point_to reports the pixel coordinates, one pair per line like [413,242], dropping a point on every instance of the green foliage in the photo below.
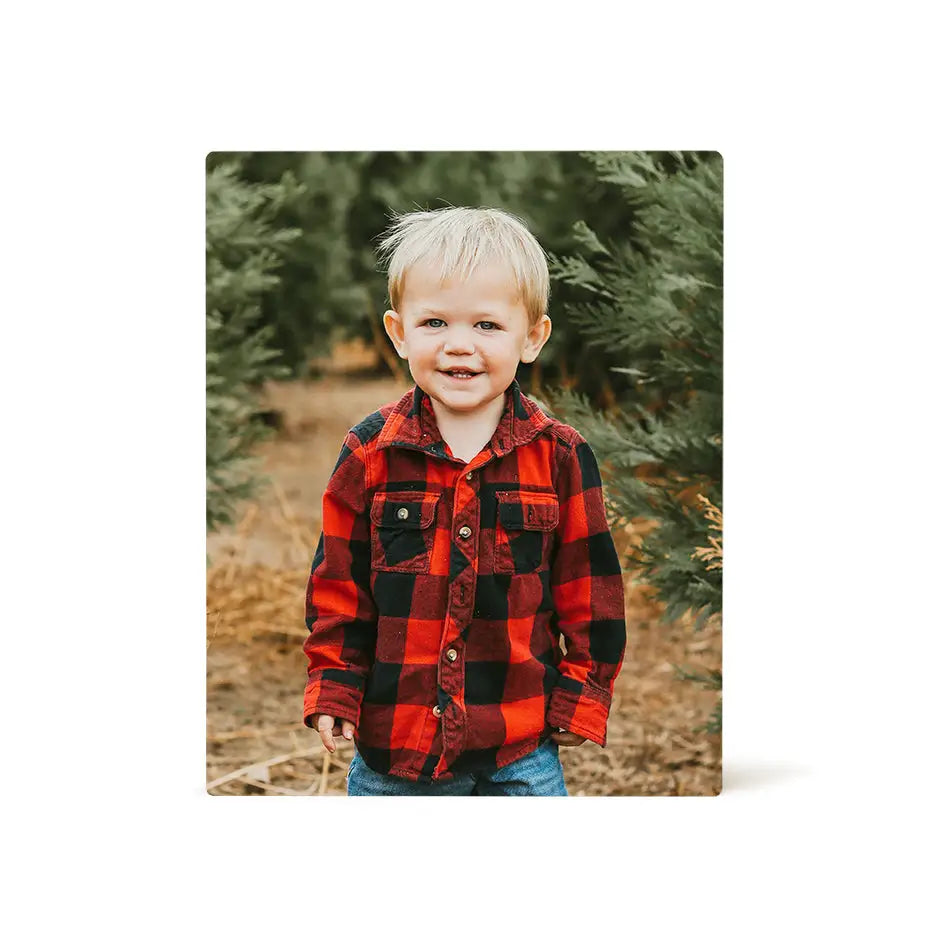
[713,680]
[320,295]
[651,310]
[243,251]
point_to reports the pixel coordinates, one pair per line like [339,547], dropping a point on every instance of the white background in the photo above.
[826,822]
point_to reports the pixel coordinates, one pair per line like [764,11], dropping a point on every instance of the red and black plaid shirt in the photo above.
[439,591]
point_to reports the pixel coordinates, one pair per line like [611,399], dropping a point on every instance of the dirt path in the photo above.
[256,668]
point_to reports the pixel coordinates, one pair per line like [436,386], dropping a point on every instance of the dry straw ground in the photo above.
[256,741]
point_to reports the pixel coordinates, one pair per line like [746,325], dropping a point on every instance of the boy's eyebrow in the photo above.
[482,312]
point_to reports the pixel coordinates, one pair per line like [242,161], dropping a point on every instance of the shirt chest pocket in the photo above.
[402,529]
[523,527]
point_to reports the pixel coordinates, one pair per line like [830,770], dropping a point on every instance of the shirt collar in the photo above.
[412,423]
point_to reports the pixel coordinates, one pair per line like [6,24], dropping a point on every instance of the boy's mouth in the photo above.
[461,374]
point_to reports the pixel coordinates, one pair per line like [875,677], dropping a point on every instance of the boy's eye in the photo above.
[486,325]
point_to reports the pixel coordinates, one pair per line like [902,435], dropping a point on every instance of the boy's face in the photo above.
[476,327]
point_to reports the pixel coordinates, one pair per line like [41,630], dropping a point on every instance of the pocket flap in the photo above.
[404,509]
[533,511]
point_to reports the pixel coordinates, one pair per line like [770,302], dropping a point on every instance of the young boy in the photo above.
[463,532]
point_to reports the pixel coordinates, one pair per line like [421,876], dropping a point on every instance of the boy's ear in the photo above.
[394,327]
[538,334]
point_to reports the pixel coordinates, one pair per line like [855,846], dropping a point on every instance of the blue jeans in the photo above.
[537,773]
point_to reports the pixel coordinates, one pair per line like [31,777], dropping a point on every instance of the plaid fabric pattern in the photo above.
[439,591]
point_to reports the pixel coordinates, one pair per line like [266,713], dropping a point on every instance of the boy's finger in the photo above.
[348,729]
[324,724]
[566,738]
[325,734]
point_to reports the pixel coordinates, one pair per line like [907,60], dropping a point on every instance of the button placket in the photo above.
[451,674]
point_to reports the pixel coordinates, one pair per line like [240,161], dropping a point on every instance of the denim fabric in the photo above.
[538,773]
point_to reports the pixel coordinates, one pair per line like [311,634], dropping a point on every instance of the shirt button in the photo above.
[452,654]
[437,712]
[468,476]
[465,531]
[402,513]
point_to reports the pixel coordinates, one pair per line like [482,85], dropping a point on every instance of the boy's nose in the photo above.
[458,340]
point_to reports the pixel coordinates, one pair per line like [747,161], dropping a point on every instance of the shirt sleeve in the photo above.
[340,611]
[586,582]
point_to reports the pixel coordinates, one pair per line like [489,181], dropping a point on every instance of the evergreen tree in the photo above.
[320,295]
[243,249]
[651,309]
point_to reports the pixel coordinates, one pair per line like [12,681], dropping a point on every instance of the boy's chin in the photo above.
[455,400]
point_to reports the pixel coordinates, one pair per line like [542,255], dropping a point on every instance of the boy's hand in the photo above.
[566,738]
[325,725]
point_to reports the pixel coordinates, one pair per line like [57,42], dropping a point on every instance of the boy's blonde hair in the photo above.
[458,239]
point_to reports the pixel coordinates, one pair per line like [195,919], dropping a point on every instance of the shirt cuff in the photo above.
[333,697]
[580,709]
